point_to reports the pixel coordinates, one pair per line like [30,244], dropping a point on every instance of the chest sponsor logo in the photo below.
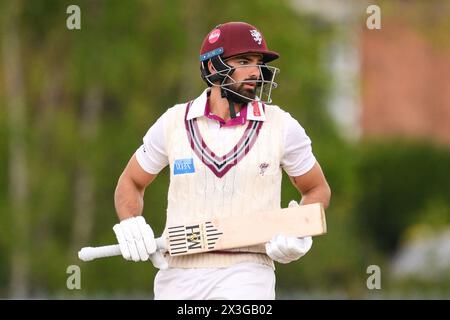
[182,166]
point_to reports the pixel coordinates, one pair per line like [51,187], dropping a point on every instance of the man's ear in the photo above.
[211,68]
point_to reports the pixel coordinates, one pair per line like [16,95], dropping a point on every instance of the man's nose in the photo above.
[254,71]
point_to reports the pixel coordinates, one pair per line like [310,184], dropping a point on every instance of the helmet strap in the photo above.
[224,94]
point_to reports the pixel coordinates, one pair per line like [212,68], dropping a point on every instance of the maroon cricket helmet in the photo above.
[235,38]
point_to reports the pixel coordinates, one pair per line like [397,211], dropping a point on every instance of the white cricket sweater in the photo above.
[222,178]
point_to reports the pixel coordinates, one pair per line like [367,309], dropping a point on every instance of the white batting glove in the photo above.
[137,241]
[285,249]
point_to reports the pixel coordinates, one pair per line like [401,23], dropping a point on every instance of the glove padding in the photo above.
[285,249]
[137,241]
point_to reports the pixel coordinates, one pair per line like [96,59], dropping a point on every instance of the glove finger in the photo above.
[142,251]
[139,240]
[308,242]
[158,260]
[298,247]
[294,248]
[275,254]
[270,251]
[285,249]
[284,245]
[130,237]
[284,261]
[302,244]
[122,242]
[147,235]
[293,204]
[273,250]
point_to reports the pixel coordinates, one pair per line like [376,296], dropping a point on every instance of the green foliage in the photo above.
[400,184]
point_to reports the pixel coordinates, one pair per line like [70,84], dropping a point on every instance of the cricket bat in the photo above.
[222,233]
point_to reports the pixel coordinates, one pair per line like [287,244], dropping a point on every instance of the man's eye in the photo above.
[241,62]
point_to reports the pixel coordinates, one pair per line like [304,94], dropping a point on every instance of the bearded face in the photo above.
[247,90]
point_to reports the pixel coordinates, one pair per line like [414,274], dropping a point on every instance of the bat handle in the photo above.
[91,253]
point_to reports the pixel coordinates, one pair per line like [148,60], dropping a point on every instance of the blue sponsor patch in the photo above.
[182,166]
[210,54]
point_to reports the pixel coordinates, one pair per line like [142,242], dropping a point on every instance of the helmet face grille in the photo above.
[264,84]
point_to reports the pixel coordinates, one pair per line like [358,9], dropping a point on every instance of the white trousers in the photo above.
[243,281]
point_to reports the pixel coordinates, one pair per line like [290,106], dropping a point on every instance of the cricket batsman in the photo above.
[225,150]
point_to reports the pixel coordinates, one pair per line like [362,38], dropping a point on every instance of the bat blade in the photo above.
[245,230]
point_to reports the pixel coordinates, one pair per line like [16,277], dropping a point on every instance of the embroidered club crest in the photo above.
[263,167]
[256,36]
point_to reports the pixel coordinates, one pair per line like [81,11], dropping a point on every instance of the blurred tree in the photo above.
[397,182]
[18,172]
[89,119]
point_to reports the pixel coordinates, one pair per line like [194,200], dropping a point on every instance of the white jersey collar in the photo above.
[255,110]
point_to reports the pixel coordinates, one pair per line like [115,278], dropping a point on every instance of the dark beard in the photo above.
[250,94]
